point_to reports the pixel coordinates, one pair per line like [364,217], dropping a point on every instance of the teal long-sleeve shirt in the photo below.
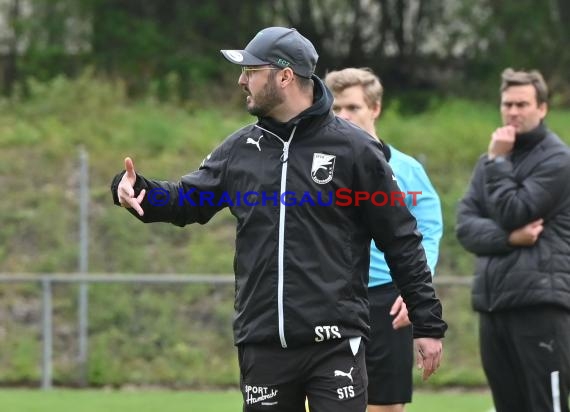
[412,177]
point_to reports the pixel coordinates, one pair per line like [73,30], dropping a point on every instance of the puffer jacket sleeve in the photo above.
[478,233]
[394,231]
[519,203]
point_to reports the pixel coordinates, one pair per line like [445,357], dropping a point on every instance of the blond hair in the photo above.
[340,80]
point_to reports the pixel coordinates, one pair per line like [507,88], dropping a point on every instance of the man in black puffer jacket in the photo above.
[293,180]
[515,217]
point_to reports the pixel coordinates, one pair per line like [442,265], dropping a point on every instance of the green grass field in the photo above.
[164,401]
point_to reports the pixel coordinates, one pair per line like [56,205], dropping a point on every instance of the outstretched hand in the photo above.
[126,191]
[428,355]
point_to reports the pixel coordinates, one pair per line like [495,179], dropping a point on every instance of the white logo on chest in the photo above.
[322,169]
[253,142]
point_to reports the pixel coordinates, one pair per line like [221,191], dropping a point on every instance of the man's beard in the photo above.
[266,100]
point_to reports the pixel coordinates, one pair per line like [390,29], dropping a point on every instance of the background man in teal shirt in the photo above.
[389,354]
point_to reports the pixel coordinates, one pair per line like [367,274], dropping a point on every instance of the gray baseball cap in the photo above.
[279,46]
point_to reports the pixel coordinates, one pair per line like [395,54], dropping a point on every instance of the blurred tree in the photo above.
[422,46]
[403,40]
[524,35]
[141,40]
[52,38]
[10,72]
[390,36]
[443,46]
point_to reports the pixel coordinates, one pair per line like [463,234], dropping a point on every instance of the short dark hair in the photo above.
[511,77]
[305,83]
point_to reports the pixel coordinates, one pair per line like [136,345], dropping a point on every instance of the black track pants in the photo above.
[526,357]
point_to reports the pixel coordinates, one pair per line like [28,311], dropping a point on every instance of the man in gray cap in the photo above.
[302,185]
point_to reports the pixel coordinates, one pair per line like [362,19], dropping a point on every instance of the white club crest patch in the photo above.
[322,169]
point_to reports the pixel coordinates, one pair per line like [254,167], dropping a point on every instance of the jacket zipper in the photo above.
[281,241]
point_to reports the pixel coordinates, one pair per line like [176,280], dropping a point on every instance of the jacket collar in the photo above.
[528,140]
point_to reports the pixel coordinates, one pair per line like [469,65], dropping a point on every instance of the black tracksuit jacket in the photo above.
[302,270]
[533,183]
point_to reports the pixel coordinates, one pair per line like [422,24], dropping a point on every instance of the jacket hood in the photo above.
[322,104]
